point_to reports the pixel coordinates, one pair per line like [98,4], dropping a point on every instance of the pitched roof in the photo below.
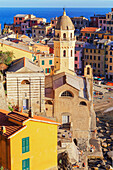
[20,15]
[89,29]
[24,62]
[12,128]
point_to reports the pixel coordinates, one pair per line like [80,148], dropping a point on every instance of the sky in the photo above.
[57,3]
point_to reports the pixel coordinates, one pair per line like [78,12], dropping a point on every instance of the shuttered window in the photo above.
[26,164]
[25,145]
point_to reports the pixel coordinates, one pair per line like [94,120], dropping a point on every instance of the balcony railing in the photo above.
[63,39]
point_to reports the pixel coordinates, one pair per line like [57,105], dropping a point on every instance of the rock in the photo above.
[110,154]
[107,124]
[100,135]
[111,136]
[105,150]
[101,130]
[107,131]
[104,144]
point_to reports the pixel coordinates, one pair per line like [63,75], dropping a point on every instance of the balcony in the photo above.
[63,39]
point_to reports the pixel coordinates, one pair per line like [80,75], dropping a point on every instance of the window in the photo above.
[98,57]
[86,50]
[87,57]
[106,52]
[25,104]
[42,62]
[47,70]
[94,51]
[98,51]
[110,60]
[25,82]
[98,65]
[67,93]
[76,58]
[83,103]
[110,52]
[88,71]
[26,164]
[25,145]
[71,35]
[110,67]
[91,51]
[20,18]
[39,32]
[64,35]
[50,62]
[42,32]
[76,65]
[94,57]
[65,119]
[64,53]
[71,53]
[90,57]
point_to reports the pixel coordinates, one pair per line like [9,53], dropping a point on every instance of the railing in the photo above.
[63,39]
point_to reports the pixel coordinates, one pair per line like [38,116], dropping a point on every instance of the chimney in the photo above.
[111,9]
[3,129]
[30,113]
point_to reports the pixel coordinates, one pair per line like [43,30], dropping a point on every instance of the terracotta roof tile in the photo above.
[18,116]
[11,128]
[89,29]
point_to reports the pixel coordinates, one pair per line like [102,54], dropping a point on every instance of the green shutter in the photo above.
[23,145]
[50,62]
[42,62]
[26,164]
[27,144]
[46,70]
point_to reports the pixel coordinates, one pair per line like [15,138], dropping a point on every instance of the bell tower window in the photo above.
[64,53]
[71,35]
[64,35]
[71,53]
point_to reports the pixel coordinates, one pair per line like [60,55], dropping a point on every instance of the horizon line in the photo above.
[51,7]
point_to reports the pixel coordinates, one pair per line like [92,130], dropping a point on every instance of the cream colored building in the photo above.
[64,45]
[25,86]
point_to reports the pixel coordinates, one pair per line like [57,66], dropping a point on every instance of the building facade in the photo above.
[25,86]
[22,142]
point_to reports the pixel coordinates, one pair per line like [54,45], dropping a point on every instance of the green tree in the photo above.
[6,57]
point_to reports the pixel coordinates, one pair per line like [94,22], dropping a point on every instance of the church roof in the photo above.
[64,23]
[24,62]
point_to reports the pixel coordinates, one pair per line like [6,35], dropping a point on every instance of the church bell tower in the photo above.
[64,45]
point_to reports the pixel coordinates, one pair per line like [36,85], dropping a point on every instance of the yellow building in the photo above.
[64,45]
[94,55]
[19,50]
[26,142]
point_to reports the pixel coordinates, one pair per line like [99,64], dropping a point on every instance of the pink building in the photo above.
[102,23]
[79,56]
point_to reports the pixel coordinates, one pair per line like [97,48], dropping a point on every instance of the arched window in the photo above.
[88,71]
[67,93]
[25,82]
[64,53]
[48,102]
[71,35]
[71,53]
[83,103]
[64,35]
[58,35]
[67,28]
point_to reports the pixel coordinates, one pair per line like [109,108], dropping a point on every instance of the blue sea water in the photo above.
[7,14]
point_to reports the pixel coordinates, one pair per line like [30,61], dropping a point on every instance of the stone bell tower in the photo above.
[64,45]
[88,73]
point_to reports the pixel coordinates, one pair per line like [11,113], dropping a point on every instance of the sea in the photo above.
[7,14]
